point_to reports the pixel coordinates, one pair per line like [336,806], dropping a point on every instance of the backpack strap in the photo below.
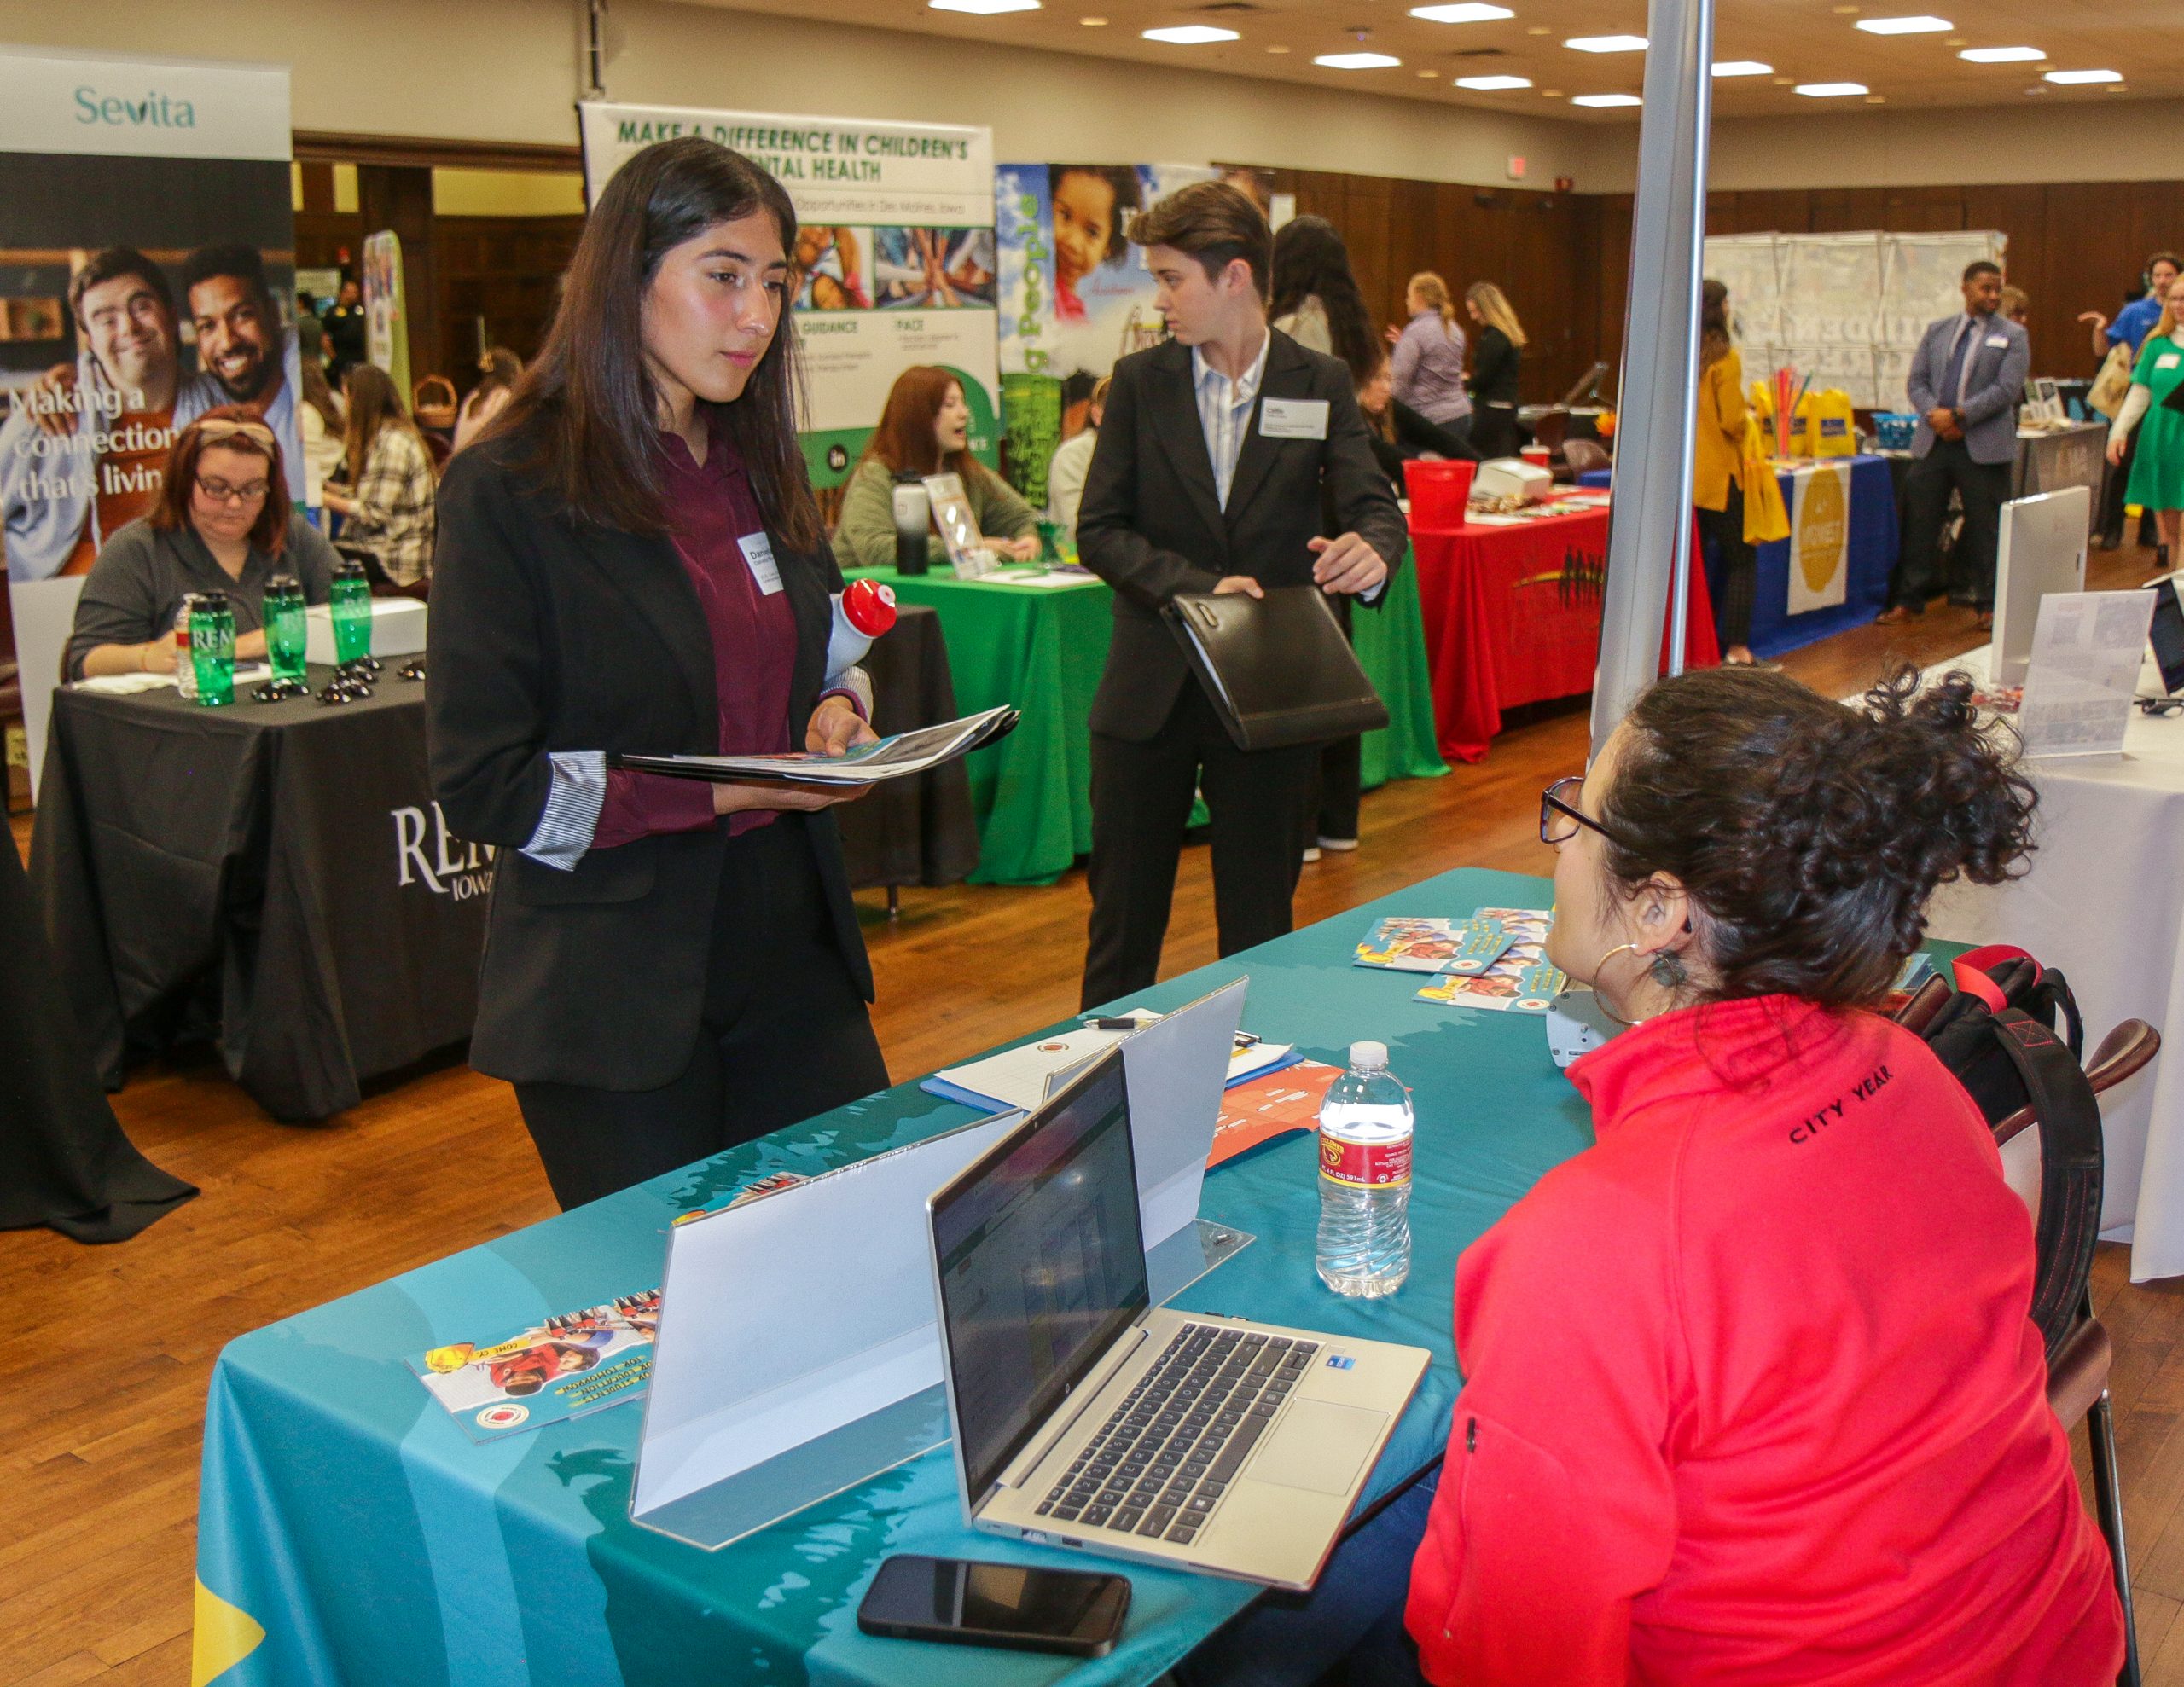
[1973,971]
[2070,1168]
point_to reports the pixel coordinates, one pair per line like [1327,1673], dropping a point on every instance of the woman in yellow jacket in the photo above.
[1717,474]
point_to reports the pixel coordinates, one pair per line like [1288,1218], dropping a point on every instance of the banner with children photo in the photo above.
[894,255]
[147,275]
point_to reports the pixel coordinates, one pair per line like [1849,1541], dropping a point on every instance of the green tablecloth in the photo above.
[345,1515]
[1041,648]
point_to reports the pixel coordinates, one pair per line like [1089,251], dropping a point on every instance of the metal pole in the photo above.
[1649,537]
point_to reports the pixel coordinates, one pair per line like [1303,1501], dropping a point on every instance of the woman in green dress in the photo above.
[2158,468]
[923,430]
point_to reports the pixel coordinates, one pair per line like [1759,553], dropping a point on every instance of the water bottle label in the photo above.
[1365,1165]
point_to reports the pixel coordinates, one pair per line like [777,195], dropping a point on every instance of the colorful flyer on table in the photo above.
[1405,945]
[1526,926]
[561,1368]
[1524,981]
[1274,1105]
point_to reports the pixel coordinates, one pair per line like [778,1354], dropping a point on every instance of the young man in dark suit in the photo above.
[1222,455]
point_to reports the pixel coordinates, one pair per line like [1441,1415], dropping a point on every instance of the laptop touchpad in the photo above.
[1319,1446]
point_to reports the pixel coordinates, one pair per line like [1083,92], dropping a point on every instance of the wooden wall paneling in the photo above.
[1842,209]
[400,197]
[2087,227]
[2156,224]
[1912,210]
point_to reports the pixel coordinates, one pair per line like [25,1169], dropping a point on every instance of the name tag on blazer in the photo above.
[2166,360]
[1998,342]
[1293,418]
[758,552]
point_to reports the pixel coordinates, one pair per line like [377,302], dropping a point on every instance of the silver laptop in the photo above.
[1085,1416]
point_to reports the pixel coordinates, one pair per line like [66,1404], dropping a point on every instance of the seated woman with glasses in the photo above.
[219,526]
[1750,1391]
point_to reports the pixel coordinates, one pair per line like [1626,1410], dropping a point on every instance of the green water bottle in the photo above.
[285,636]
[212,649]
[351,597]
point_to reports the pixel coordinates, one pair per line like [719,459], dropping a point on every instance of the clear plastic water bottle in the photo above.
[185,662]
[1365,1131]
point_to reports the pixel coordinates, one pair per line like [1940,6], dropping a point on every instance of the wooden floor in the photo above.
[102,1396]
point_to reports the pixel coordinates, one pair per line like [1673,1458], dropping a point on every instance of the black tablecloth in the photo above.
[918,831]
[63,1159]
[276,873]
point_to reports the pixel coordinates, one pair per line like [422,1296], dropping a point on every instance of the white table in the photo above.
[2104,902]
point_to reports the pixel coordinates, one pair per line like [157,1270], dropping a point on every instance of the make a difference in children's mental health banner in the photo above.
[894,257]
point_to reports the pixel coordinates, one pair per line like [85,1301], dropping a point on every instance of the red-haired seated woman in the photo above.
[924,429]
[222,524]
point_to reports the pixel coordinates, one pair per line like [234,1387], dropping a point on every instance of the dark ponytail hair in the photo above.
[1713,323]
[589,390]
[1310,261]
[1810,834]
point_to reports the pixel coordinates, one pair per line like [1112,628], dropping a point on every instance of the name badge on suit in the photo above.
[1293,418]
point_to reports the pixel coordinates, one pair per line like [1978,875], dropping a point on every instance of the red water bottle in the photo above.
[861,614]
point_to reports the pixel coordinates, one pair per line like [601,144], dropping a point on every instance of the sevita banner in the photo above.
[147,275]
[895,256]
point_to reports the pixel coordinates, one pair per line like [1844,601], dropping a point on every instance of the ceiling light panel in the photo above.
[1190,34]
[1829,91]
[1600,101]
[1493,84]
[1357,61]
[1920,24]
[2068,78]
[2002,56]
[1606,44]
[1742,67]
[1468,11]
[983,8]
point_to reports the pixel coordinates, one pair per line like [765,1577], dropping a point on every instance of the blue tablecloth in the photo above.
[346,1514]
[1873,551]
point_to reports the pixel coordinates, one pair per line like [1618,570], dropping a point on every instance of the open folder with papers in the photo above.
[885,758]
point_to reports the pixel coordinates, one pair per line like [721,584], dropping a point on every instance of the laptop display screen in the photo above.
[1042,1265]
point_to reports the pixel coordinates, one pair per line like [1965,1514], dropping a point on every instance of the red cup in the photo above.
[1439,491]
[1538,456]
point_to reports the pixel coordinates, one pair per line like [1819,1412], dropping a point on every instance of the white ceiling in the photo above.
[1803,41]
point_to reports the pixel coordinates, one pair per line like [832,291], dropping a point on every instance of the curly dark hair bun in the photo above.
[1811,834]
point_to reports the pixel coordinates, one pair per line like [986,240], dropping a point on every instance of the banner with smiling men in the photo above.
[147,275]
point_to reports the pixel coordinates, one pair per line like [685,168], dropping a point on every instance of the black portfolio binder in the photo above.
[1278,669]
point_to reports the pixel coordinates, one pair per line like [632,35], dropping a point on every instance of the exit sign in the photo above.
[1516,168]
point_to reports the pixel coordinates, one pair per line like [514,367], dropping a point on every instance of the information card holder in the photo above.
[798,1352]
[2082,674]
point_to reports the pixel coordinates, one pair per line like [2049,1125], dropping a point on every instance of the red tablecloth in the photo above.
[1513,616]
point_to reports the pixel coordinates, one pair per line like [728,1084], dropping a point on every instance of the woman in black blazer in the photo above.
[630,561]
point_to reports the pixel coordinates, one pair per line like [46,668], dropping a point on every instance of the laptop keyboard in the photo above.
[1160,1464]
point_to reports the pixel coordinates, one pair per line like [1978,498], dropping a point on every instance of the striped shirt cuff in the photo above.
[855,685]
[565,830]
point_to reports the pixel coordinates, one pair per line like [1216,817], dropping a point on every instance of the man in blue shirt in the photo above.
[2132,325]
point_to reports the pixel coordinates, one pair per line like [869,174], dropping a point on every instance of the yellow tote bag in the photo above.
[1766,518]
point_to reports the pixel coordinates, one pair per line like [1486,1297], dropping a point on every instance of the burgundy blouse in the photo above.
[712,510]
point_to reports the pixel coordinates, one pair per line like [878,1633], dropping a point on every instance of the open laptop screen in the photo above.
[2167,634]
[1041,1265]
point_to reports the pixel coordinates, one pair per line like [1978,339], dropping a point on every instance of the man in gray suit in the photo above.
[1965,380]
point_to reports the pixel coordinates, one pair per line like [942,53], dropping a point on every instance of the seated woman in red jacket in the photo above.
[1751,1390]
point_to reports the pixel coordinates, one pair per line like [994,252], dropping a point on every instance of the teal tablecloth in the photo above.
[346,1514]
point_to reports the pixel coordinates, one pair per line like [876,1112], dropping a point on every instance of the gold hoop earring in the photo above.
[1601,966]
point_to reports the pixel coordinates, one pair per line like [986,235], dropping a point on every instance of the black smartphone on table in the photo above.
[972,1603]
